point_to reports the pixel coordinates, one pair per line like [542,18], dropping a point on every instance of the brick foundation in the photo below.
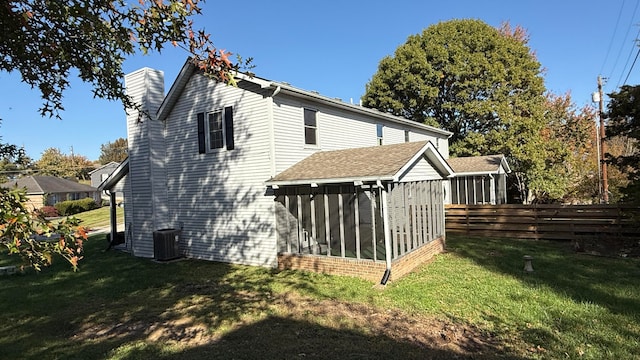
[366,269]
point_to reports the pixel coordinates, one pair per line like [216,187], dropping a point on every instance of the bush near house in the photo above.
[48,211]
[71,207]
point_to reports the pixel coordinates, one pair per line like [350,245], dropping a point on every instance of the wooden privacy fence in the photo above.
[553,222]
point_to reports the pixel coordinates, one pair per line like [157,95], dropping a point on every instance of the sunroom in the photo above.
[363,211]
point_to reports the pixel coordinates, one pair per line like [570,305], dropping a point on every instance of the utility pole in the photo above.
[603,163]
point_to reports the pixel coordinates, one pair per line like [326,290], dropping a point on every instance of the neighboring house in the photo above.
[479,180]
[99,175]
[267,174]
[50,190]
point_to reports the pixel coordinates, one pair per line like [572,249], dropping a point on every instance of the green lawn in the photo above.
[119,307]
[100,217]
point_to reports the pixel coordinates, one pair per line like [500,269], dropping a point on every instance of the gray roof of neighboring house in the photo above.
[48,185]
[479,164]
[111,164]
[369,163]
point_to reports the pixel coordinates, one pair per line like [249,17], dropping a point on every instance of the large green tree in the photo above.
[54,162]
[47,41]
[623,112]
[113,151]
[481,83]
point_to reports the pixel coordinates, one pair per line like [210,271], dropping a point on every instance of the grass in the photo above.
[99,217]
[120,307]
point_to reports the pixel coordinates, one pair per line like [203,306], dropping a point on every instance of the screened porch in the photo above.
[348,221]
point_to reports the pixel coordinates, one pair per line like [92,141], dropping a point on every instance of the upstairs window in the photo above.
[310,127]
[215,130]
[379,133]
[406,136]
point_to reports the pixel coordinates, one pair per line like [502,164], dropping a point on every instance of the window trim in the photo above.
[226,131]
[379,134]
[207,131]
[315,127]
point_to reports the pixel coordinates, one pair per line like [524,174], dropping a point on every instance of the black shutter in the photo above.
[228,127]
[202,148]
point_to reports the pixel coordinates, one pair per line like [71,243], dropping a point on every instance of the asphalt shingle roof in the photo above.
[48,184]
[472,164]
[356,163]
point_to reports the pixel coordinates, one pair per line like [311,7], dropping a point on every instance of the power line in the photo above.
[622,45]
[631,68]
[615,30]
[628,58]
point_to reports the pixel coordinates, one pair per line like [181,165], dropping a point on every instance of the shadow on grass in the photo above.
[122,307]
[284,338]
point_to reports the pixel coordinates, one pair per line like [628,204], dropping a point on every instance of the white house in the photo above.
[267,174]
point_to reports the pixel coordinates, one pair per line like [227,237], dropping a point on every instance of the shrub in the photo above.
[71,207]
[48,211]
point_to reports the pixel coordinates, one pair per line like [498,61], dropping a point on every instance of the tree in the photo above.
[462,75]
[571,152]
[34,238]
[18,225]
[481,83]
[55,163]
[45,40]
[113,151]
[624,121]
[13,160]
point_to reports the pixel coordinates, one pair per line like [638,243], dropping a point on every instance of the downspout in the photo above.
[387,234]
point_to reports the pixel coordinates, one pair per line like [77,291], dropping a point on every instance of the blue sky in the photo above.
[334,47]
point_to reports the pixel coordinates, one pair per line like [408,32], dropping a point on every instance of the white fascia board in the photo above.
[477,173]
[175,91]
[505,165]
[434,156]
[116,175]
[328,181]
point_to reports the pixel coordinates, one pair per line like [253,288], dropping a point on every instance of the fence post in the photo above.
[535,221]
[466,213]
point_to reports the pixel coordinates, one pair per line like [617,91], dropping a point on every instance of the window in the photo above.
[379,133]
[215,131]
[406,136]
[310,127]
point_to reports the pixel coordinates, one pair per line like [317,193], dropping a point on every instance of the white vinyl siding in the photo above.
[337,129]
[419,171]
[147,179]
[220,199]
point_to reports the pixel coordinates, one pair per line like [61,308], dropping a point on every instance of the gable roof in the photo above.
[115,176]
[188,69]
[112,164]
[48,185]
[470,165]
[386,162]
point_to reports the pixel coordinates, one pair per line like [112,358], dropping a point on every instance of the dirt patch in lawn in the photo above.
[426,334]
